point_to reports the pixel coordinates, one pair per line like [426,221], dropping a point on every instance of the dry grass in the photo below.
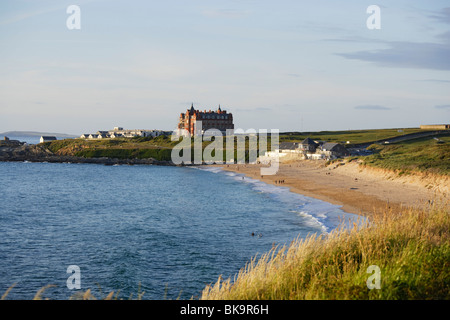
[411,248]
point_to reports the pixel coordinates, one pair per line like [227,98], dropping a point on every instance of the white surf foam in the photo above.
[316,213]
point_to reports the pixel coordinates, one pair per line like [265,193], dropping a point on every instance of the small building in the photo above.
[8,142]
[308,145]
[103,136]
[289,147]
[334,150]
[47,139]
[435,127]
[315,156]
[115,135]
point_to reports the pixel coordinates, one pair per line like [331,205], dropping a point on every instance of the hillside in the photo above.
[428,154]
[36,134]
[351,136]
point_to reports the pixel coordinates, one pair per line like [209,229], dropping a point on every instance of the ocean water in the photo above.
[167,231]
[27,139]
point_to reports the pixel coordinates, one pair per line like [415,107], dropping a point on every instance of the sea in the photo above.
[155,232]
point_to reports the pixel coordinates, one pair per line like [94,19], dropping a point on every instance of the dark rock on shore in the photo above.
[38,153]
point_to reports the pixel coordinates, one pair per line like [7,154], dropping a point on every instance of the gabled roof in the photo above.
[309,141]
[288,145]
[330,146]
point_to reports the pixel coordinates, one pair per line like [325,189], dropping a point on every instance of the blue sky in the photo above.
[287,65]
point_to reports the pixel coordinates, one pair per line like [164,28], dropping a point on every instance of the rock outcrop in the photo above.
[39,153]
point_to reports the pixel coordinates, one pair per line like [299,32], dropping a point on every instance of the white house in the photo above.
[115,135]
[46,139]
[119,132]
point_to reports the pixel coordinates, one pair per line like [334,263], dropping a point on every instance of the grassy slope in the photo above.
[423,155]
[354,136]
[411,248]
[419,155]
[158,148]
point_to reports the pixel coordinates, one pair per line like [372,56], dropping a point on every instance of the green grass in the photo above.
[423,155]
[353,136]
[158,154]
[158,148]
[411,248]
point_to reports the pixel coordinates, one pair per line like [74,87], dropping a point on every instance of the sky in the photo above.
[288,65]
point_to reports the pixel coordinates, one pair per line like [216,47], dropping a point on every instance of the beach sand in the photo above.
[358,189]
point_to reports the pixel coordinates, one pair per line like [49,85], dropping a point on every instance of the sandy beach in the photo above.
[358,189]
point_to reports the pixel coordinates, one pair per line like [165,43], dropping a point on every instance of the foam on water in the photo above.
[315,213]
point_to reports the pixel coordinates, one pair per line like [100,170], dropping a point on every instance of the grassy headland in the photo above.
[158,148]
[426,155]
[353,136]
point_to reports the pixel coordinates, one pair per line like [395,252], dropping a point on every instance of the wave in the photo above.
[315,213]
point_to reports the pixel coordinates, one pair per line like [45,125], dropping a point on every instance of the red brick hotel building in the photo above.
[220,120]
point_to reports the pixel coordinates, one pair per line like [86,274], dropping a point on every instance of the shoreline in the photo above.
[356,189]
[102,161]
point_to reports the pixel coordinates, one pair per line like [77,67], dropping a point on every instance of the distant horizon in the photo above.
[38,133]
[287,65]
[28,133]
